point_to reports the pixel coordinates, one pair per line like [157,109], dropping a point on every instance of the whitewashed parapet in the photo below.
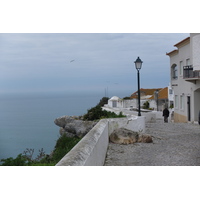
[92,149]
[133,123]
[149,116]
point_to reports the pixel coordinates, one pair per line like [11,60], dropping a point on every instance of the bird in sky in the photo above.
[72,61]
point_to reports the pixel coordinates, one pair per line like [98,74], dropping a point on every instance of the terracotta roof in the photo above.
[163,93]
[144,92]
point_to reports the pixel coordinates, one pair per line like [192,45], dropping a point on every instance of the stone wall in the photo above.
[133,123]
[91,150]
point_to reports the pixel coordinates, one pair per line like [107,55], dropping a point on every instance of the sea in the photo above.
[27,120]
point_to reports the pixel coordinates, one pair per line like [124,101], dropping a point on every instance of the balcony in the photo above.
[190,75]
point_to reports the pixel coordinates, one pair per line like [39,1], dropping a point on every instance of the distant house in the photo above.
[115,102]
[157,97]
[144,93]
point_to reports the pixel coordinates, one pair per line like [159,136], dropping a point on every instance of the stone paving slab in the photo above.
[174,144]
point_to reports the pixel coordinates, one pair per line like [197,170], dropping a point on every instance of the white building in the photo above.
[158,101]
[157,97]
[185,78]
[115,102]
[170,96]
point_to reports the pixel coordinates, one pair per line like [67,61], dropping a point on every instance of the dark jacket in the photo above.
[166,112]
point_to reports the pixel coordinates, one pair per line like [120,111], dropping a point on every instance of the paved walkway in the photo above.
[174,144]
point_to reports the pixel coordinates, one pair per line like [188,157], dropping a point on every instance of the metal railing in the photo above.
[189,73]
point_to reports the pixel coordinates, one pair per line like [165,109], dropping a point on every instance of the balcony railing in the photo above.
[188,73]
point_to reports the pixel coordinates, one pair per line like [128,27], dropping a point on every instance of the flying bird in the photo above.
[72,61]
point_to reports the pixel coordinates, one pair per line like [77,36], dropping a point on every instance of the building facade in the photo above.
[185,79]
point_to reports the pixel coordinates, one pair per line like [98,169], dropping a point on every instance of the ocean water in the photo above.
[27,121]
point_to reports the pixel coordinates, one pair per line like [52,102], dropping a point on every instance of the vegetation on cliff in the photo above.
[96,113]
[63,146]
[103,101]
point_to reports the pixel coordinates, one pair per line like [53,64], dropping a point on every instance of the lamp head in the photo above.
[138,63]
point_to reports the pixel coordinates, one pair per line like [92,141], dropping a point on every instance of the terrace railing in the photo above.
[188,73]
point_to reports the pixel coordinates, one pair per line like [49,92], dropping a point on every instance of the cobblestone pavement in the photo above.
[174,144]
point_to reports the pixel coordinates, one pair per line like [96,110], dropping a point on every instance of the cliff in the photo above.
[73,126]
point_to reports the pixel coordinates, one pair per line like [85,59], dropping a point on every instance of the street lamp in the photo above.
[157,92]
[138,66]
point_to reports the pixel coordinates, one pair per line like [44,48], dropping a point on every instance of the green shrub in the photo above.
[127,98]
[97,113]
[146,105]
[20,160]
[103,101]
[63,146]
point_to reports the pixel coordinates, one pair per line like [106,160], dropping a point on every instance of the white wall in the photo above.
[153,104]
[123,103]
[128,103]
[133,123]
[195,40]
[180,86]
[92,149]
[196,104]
[149,116]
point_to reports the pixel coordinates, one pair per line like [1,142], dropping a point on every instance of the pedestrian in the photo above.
[166,114]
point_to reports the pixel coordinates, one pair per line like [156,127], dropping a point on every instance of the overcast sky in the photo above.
[84,62]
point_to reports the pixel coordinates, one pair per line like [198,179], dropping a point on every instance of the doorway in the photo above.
[196,104]
[114,104]
[188,108]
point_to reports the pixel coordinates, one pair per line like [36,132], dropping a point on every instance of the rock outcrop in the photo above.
[125,136]
[74,126]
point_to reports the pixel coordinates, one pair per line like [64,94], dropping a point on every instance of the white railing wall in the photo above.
[92,149]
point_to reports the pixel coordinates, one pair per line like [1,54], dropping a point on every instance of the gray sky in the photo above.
[84,62]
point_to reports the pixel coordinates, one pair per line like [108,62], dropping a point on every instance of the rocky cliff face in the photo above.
[73,126]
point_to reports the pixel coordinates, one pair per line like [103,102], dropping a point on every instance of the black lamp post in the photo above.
[138,66]
[157,92]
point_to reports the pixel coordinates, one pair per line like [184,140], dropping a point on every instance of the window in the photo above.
[170,91]
[174,72]
[176,101]
[181,102]
[188,62]
[181,68]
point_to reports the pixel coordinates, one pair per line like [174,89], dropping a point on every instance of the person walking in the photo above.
[166,115]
